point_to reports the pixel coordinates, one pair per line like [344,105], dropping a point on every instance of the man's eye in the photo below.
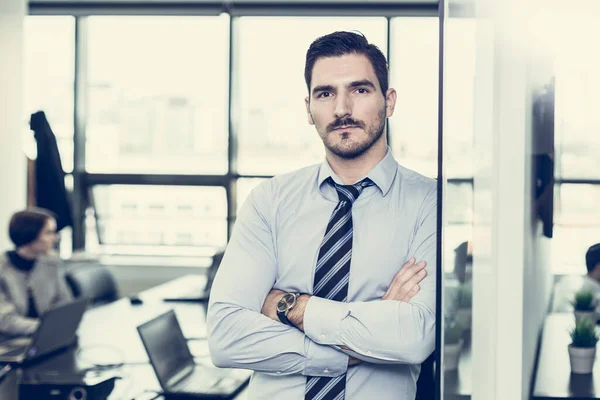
[323,94]
[362,90]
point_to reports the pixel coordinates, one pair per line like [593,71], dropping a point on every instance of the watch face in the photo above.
[287,301]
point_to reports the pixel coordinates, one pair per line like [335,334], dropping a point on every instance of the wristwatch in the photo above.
[287,302]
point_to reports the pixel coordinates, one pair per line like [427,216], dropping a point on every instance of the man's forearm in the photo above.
[241,338]
[391,331]
[296,314]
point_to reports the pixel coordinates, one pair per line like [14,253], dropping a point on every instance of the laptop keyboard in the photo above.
[197,384]
[14,347]
[15,351]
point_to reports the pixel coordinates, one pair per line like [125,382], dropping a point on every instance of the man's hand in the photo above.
[269,308]
[353,361]
[405,284]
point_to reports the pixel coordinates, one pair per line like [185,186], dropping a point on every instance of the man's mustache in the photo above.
[345,122]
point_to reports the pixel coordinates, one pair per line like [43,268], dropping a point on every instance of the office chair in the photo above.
[93,281]
[463,262]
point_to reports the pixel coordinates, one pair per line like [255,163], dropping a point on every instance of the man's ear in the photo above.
[309,115]
[390,102]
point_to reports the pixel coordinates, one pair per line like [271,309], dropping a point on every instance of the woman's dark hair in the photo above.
[25,226]
[337,44]
[592,257]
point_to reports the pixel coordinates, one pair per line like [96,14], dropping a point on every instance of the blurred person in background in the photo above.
[31,278]
[564,294]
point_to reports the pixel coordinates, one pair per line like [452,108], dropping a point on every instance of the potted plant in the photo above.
[584,305]
[453,343]
[582,350]
[465,306]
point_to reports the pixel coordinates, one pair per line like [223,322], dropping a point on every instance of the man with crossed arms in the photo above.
[309,294]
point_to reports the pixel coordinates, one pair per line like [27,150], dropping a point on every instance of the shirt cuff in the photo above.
[324,360]
[323,320]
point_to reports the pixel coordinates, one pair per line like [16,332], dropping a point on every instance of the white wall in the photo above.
[510,274]
[537,276]
[132,279]
[13,162]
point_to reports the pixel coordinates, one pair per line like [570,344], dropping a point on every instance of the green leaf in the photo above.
[584,301]
[584,334]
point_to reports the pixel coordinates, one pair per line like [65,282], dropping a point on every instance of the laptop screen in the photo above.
[166,346]
[57,328]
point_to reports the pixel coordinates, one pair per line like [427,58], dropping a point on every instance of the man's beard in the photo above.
[359,148]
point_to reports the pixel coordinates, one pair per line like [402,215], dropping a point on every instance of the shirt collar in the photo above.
[382,174]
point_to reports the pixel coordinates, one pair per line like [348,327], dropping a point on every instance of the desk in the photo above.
[554,379]
[108,334]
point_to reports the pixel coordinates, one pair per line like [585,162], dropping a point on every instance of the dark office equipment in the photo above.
[463,262]
[48,386]
[426,382]
[94,282]
[174,365]
[56,331]
[50,191]
[135,300]
[543,155]
[4,370]
[198,293]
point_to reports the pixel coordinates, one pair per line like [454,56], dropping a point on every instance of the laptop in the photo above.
[198,294]
[57,330]
[175,368]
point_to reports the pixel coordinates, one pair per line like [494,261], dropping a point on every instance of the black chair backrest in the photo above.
[93,281]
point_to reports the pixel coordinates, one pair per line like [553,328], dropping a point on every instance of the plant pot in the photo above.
[582,359]
[586,314]
[452,355]
[463,317]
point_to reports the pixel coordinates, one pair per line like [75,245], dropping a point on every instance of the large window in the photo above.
[49,79]
[577,121]
[269,89]
[414,74]
[161,215]
[158,93]
[163,97]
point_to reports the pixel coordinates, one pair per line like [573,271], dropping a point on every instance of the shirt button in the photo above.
[323,336]
[278,373]
[368,353]
[325,371]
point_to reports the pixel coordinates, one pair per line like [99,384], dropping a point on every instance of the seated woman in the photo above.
[31,280]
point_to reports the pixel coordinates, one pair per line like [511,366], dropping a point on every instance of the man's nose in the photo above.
[343,106]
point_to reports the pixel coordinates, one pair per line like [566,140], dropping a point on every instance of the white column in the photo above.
[12,160]
[506,241]
[500,134]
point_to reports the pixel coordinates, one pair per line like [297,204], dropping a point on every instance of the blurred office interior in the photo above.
[167,114]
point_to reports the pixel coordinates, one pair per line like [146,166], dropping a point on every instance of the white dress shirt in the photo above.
[275,244]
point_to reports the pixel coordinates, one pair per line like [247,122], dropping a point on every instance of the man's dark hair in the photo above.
[25,226]
[337,44]
[592,257]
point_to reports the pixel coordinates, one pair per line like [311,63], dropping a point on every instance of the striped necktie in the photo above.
[332,275]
